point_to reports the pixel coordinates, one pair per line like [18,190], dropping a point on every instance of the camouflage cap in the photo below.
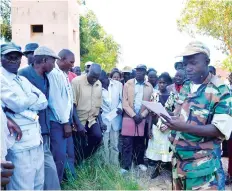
[195,47]
[45,51]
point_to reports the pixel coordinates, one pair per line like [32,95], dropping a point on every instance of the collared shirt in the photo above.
[41,82]
[60,96]
[138,98]
[24,100]
[112,100]
[209,104]
[88,99]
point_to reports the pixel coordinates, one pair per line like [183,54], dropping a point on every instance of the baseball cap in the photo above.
[141,66]
[30,47]
[10,47]
[45,51]
[195,47]
[89,63]
[127,69]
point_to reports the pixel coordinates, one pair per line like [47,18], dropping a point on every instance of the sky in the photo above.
[147,32]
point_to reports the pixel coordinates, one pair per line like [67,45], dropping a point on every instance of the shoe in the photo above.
[123,171]
[156,172]
[143,167]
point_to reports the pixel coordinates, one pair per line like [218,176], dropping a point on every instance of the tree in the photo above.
[5,20]
[95,44]
[212,18]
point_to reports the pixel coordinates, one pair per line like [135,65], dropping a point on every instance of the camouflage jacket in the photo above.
[199,108]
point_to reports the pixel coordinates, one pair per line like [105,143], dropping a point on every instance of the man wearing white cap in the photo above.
[202,121]
[87,66]
[44,62]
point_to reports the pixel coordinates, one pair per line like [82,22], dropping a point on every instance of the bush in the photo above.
[95,174]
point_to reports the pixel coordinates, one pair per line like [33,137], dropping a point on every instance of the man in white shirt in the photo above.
[22,101]
[111,116]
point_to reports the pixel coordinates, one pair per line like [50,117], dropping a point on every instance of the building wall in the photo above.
[59,19]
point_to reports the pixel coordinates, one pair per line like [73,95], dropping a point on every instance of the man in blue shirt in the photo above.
[36,73]
[61,109]
[21,102]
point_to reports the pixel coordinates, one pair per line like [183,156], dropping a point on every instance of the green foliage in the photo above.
[95,44]
[5,20]
[94,174]
[227,63]
[211,18]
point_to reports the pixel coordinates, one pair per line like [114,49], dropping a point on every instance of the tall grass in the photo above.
[95,174]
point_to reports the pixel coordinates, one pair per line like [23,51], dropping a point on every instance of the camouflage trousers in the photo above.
[181,182]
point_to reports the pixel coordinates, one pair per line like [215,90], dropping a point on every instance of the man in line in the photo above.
[77,70]
[178,65]
[135,91]
[21,102]
[61,106]
[29,51]
[153,78]
[87,91]
[112,102]
[212,70]
[36,73]
[126,74]
[178,82]
[87,66]
[204,121]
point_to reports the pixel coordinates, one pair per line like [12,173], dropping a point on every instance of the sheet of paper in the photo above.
[112,114]
[156,108]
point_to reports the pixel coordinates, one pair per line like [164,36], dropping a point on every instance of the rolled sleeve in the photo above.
[222,117]
[223,122]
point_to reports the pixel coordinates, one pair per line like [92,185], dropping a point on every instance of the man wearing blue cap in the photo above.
[29,51]
[36,73]
[21,102]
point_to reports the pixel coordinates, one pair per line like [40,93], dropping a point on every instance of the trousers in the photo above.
[110,140]
[133,148]
[29,169]
[51,180]
[62,150]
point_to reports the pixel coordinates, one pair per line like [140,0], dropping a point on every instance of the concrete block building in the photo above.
[52,23]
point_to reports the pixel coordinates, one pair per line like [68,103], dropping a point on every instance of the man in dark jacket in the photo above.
[44,62]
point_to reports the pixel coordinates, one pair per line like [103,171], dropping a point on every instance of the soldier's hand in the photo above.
[163,128]
[173,123]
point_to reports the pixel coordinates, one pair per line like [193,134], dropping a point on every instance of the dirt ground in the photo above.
[163,182]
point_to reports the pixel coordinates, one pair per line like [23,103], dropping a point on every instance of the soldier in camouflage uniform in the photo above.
[204,121]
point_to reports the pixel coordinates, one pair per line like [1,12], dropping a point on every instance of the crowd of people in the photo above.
[54,116]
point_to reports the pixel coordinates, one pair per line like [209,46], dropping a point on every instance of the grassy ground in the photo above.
[94,174]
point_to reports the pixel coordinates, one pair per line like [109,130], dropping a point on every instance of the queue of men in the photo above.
[54,117]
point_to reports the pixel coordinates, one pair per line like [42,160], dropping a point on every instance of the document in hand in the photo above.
[156,108]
